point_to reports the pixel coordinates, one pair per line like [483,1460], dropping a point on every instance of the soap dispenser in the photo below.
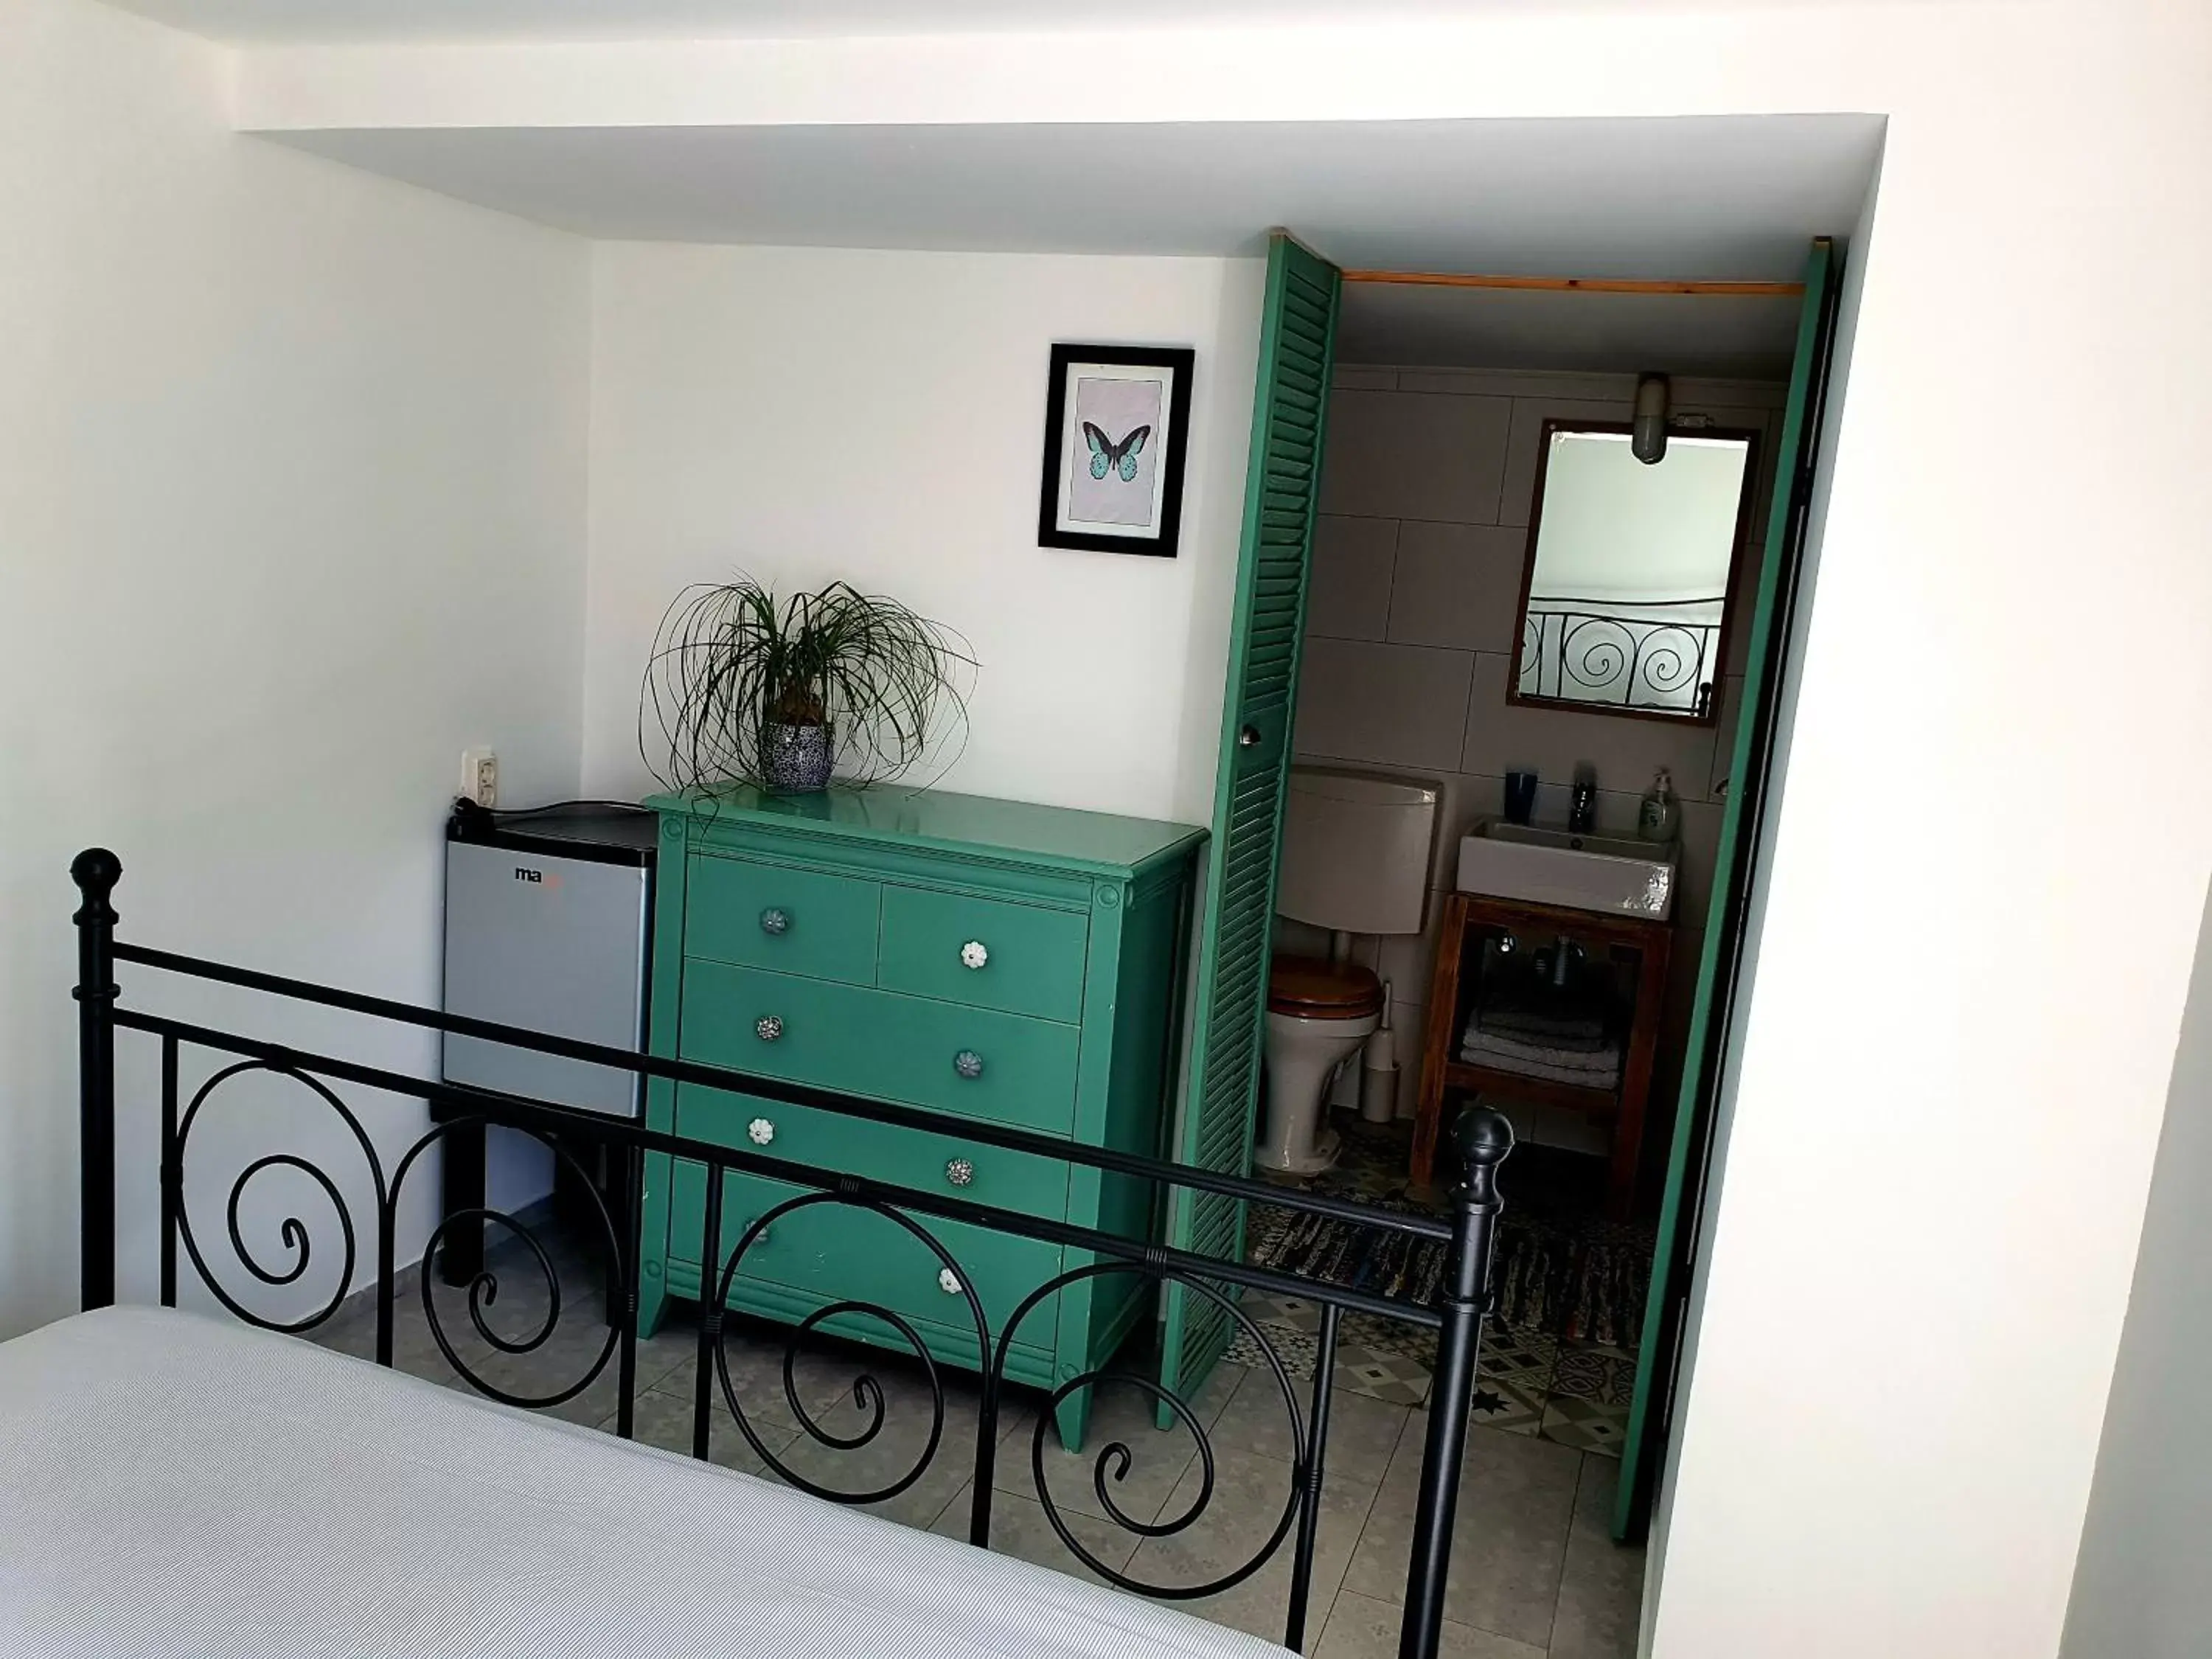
[1655,818]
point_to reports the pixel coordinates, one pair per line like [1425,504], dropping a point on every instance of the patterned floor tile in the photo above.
[1528,1357]
[1594,1375]
[1505,1405]
[1283,1312]
[1586,1426]
[1395,1377]
[1391,1376]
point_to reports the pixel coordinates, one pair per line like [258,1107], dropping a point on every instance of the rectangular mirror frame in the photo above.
[1743,519]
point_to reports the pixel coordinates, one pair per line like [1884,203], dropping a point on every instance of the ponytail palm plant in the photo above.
[746,688]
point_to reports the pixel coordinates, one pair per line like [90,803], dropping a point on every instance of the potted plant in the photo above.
[745,688]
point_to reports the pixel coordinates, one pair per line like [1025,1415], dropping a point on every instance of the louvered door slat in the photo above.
[1298,329]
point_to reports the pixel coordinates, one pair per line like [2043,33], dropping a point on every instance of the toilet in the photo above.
[1355,859]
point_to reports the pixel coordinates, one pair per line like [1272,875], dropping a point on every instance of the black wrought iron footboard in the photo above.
[1482,1140]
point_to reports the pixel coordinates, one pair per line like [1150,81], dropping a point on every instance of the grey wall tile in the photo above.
[1503,736]
[1554,384]
[1363,376]
[1701,841]
[1724,767]
[1410,455]
[1456,585]
[1400,705]
[1349,595]
[1408,960]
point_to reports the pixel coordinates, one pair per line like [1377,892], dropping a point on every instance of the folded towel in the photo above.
[1589,1038]
[1549,1020]
[1606,1052]
[1565,1060]
[1581,1076]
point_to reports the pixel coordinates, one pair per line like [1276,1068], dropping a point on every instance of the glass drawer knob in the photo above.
[774,920]
[968,1063]
[769,1027]
[761,1131]
[972,955]
[959,1171]
[948,1281]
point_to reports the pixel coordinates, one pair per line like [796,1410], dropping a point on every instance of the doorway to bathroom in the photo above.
[1491,788]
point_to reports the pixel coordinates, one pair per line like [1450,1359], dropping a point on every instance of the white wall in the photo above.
[805,415]
[1910,1312]
[2140,1588]
[291,510]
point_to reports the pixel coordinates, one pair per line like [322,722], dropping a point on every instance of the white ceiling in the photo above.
[1718,336]
[271,20]
[1728,197]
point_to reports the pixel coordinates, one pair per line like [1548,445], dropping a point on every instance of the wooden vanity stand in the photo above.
[1468,919]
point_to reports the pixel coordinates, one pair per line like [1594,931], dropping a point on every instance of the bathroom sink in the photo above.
[1611,874]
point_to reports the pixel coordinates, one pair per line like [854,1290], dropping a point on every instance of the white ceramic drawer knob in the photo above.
[972,955]
[959,1171]
[948,1281]
[760,1130]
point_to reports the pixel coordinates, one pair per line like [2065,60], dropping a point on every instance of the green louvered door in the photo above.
[1757,732]
[1297,332]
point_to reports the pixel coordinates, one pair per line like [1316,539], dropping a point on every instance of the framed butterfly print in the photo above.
[1116,426]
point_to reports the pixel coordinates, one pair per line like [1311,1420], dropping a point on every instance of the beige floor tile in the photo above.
[1234,1525]
[1509,1536]
[1121,1414]
[1361,1627]
[1601,1584]
[1362,1431]
[664,1421]
[1020,1527]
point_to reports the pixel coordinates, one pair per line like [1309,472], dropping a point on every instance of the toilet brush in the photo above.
[1379,1070]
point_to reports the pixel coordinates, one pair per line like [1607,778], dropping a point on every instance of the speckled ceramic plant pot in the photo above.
[796,759]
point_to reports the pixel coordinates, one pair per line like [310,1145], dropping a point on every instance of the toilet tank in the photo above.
[1356,851]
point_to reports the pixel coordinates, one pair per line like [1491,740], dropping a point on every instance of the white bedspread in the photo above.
[169,1485]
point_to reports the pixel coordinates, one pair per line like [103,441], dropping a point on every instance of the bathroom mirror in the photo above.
[1624,596]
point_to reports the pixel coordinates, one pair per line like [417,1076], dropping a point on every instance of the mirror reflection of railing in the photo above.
[1639,657]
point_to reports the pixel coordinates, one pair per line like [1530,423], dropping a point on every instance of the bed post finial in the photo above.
[1482,1137]
[96,871]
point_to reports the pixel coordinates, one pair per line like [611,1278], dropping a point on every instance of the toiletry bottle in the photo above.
[1582,809]
[1655,819]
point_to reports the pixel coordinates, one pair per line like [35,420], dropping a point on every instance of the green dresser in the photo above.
[988,959]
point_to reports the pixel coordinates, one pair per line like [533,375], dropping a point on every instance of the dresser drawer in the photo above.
[879,1043]
[837,1253]
[761,914]
[1023,958]
[881,1151]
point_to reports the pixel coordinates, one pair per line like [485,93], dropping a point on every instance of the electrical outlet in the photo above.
[480,776]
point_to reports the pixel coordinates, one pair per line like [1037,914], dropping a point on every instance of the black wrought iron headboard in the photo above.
[1482,1139]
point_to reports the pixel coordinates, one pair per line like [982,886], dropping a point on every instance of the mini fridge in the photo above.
[547,927]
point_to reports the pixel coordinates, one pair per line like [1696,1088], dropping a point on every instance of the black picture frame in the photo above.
[1177,364]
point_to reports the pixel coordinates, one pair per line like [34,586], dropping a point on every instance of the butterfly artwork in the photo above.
[1116,436]
[1107,456]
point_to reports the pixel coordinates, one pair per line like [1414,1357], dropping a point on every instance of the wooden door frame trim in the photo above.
[1581,284]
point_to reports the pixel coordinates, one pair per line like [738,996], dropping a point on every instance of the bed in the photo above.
[175,1484]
